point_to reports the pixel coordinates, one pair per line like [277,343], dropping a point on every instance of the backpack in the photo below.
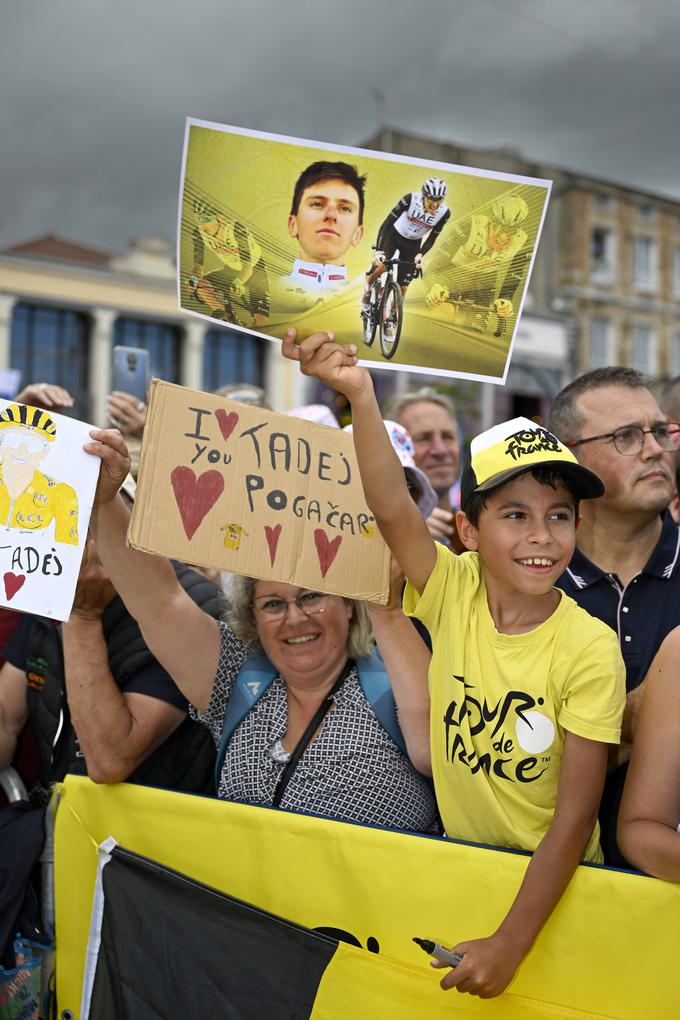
[257,673]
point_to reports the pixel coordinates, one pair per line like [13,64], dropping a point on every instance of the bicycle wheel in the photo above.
[391,318]
[369,318]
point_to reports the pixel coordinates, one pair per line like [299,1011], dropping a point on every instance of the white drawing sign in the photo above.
[47,486]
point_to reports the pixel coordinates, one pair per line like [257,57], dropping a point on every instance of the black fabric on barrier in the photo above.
[172,947]
[22,834]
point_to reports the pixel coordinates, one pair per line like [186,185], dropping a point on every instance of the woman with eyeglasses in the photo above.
[311,742]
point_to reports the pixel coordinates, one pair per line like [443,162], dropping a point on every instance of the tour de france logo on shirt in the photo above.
[514,726]
[531,441]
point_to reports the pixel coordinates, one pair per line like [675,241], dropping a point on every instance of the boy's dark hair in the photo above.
[542,473]
[566,421]
[323,170]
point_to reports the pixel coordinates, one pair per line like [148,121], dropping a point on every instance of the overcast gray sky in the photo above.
[93,93]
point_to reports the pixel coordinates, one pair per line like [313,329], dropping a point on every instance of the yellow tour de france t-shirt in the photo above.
[501,705]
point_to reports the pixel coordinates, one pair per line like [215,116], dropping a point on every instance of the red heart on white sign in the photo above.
[13,582]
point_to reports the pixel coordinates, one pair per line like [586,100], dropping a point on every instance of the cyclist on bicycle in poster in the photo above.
[412,227]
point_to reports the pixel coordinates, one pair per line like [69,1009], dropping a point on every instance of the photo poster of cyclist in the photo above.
[47,487]
[276,232]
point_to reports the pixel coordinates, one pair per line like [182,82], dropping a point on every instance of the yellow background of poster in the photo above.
[249,180]
[609,950]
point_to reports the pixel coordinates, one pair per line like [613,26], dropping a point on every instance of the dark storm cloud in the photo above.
[94,93]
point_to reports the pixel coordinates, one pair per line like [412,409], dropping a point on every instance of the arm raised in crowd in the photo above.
[116,731]
[650,807]
[13,711]
[407,661]
[184,639]
[382,477]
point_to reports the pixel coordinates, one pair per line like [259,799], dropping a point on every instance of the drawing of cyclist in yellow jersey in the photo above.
[29,499]
[237,291]
[494,253]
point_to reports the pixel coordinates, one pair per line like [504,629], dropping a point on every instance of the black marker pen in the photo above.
[443,955]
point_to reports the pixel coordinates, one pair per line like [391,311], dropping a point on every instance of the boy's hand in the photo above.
[334,364]
[487,967]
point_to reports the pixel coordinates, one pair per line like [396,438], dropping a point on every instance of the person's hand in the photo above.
[236,288]
[109,446]
[487,968]
[94,591]
[333,364]
[45,395]
[126,413]
[441,524]
[378,258]
[436,295]
[419,261]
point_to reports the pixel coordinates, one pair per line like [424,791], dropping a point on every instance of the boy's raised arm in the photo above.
[397,515]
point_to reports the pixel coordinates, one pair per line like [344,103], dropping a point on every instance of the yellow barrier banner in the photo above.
[609,949]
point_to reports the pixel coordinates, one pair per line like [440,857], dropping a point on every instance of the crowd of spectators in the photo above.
[140,684]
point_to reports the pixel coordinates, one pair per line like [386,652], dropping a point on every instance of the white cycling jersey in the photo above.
[317,277]
[414,221]
[308,283]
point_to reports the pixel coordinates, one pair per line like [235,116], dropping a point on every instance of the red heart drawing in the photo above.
[13,582]
[273,535]
[195,496]
[226,421]
[326,551]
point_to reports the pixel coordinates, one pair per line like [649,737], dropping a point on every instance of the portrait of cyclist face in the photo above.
[326,224]
[431,204]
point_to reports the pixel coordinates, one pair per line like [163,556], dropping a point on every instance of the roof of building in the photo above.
[53,247]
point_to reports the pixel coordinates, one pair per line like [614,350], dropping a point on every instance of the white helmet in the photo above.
[434,187]
[510,210]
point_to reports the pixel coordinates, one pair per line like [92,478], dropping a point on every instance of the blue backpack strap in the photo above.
[255,676]
[377,689]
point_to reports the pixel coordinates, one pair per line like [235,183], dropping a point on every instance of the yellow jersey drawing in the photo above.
[29,499]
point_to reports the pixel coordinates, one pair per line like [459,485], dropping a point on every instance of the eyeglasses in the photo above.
[272,607]
[629,439]
[14,438]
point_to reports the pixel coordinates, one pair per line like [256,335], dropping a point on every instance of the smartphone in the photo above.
[131,371]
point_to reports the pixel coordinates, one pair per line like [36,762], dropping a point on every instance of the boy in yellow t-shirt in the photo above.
[527,690]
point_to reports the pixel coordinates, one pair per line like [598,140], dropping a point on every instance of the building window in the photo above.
[602,255]
[160,339]
[232,358]
[676,272]
[644,353]
[675,354]
[646,212]
[599,343]
[603,202]
[50,345]
[644,263]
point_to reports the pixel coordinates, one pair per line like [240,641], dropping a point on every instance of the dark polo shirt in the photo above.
[642,612]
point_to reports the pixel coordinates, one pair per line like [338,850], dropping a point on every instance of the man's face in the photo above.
[327,221]
[22,449]
[641,482]
[435,440]
[431,204]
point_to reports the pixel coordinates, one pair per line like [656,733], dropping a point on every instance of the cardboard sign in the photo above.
[225,485]
[47,486]
[276,231]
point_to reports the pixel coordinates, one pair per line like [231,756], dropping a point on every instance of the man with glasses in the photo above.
[29,499]
[626,567]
